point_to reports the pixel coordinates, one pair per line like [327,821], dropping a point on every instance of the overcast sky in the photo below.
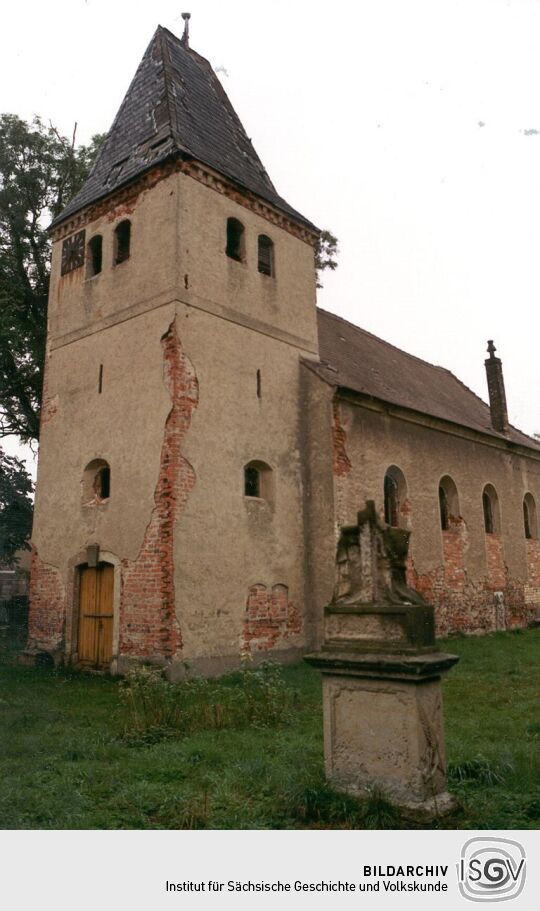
[410,129]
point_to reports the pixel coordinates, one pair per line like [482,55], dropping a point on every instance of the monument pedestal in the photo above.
[381,670]
[383,726]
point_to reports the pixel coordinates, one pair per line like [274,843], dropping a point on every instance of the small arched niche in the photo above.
[258,481]
[122,242]
[490,506]
[395,495]
[448,503]
[265,255]
[94,258]
[96,482]
[529,517]
[235,248]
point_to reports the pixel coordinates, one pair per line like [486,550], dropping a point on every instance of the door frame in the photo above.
[72,616]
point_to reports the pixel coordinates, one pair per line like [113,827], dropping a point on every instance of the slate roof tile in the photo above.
[176,106]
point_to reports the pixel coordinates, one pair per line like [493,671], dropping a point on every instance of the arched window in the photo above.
[395,494]
[529,516]
[448,502]
[490,505]
[94,256]
[235,248]
[258,481]
[96,482]
[122,242]
[265,255]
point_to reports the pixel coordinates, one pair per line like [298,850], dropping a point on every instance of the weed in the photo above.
[258,761]
[479,769]
[378,812]
[154,709]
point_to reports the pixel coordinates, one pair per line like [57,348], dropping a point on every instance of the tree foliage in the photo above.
[40,170]
[15,506]
[326,253]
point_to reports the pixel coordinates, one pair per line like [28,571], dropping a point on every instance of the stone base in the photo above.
[386,735]
[433,808]
[422,811]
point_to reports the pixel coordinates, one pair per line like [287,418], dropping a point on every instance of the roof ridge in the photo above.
[109,135]
[173,119]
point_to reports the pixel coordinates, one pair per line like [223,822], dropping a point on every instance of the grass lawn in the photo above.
[65,762]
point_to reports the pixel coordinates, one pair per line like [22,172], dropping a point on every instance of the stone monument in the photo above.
[383,726]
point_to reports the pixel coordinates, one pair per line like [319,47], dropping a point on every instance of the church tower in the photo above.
[169,508]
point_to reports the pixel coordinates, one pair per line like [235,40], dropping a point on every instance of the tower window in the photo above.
[94,258]
[265,255]
[102,483]
[529,516]
[96,482]
[235,248]
[122,242]
[258,482]
[252,482]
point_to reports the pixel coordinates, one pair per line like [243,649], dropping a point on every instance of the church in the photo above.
[206,430]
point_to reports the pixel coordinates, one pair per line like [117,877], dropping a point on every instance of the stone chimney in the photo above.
[497,395]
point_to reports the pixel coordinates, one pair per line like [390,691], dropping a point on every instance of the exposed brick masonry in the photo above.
[47,607]
[532,589]
[270,618]
[464,606]
[495,562]
[341,462]
[148,623]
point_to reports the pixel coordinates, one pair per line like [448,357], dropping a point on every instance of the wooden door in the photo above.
[96,587]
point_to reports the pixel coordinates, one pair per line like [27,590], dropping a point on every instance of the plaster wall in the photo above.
[177,424]
[79,303]
[281,306]
[122,425]
[225,542]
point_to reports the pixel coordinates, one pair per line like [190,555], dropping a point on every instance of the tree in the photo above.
[40,170]
[15,507]
[326,253]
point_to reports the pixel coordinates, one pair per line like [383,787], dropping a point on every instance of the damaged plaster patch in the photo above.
[341,463]
[463,605]
[270,619]
[148,622]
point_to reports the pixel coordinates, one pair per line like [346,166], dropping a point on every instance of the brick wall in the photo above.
[532,589]
[270,618]
[148,623]
[341,461]
[464,606]
[47,613]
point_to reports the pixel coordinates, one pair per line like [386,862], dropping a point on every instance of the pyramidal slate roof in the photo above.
[354,359]
[176,106]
